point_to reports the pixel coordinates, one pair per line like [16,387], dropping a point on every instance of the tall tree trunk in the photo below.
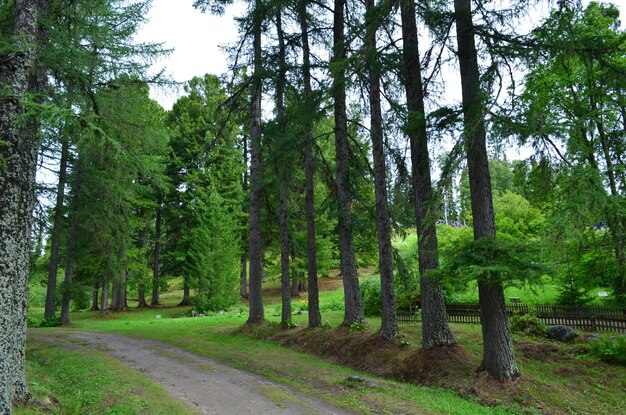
[435,330]
[94,295]
[104,298]
[18,155]
[243,285]
[141,296]
[156,268]
[186,295]
[53,267]
[352,291]
[256,250]
[123,306]
[295,284]
[389,316]
[115,293]
[315,318]
[283,215]
[71,247]
[498,357]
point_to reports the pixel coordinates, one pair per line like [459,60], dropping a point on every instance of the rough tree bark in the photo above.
[315,318]
[435,330]
[389,315]
[94,295]
[18,156]
[243,284]
[283,215]
[55,243]
[104,298]
[352,291]
[71,246]
[186,293]
[498,357]
[156,267]
[256,250]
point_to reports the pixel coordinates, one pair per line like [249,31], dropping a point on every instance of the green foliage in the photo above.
[527,324]
[490,261]
[611,349]
[371,297]
[32,322]
[356,326]
[36,294]
[51,322]
[214,254]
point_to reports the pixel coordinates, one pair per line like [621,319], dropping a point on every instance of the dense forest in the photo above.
[341,127]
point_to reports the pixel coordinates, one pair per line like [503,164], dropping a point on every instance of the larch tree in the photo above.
[389,319]
[18,156]
[435,330]
[498,357]
[352,292]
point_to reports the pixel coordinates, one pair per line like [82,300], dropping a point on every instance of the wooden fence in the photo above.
[583,318]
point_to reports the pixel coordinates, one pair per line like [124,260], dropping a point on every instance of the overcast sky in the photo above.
[196,38]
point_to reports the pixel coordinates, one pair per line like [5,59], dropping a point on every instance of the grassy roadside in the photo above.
[557,378]
[214,337]
[75,380]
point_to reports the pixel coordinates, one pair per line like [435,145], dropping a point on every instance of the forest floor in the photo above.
[393,377]
[209,387]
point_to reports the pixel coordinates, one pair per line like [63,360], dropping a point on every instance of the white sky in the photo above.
[195,37]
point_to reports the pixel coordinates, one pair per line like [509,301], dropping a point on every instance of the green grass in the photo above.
[212,337]
[572,382]
[82,381]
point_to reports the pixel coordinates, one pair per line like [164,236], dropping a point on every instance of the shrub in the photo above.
[32,322]
[527,324]
[370,294]
[36,295]
[51,322]
[610,349]
[334,305]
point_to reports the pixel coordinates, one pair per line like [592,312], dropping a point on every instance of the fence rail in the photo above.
[584,318]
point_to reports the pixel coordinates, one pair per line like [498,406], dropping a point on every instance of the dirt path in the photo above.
[211,387]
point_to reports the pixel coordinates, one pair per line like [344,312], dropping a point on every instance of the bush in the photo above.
[334,305]
[610,349]
[36,295]
[32,322]
[527,324]
[51,322]
[370,294]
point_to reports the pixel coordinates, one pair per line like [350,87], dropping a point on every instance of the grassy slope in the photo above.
[83,382]
[557,379]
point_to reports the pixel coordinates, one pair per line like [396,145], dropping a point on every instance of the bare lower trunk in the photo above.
[186,295]
[295,284]
[435,329]
[53,267]
[123,295]
[115,294]
[141,297]
[71,245]
[283,215]
[352,291]
[156,268]
[94,295]
[498,357]
[243,286]
[256,251]
[315,318]
[104,299]
[18,156]
[389,317]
